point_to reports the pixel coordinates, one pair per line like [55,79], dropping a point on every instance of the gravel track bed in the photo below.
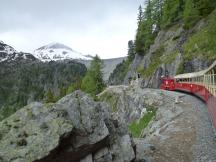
[205,146]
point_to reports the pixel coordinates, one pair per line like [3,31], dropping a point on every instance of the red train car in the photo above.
[167,83]
[201,84]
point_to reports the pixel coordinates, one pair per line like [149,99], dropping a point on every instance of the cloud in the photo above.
[96,26]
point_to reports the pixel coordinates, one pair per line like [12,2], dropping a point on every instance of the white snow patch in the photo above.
[57,51]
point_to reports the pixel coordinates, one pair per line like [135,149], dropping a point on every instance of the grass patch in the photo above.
[202,44]
[6,112]
[170,57]
[137,126]
[156,60]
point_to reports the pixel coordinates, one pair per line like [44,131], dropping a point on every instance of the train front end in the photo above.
[167,83]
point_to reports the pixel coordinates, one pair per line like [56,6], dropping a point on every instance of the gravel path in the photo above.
[205,145]
[181,132]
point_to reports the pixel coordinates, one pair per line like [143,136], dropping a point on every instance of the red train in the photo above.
[201,84]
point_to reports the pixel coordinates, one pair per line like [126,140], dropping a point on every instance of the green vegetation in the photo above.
[93,83]
[167,59]
[35,81]
[169,13]
[111,99]
[180,68]
[155,62]
[136,127]
[74,86]
[50,97]
[172,12]
[148,23]
[131,50]
[195,10]
[166,13]
[119,73]
[203,44]
[6,111]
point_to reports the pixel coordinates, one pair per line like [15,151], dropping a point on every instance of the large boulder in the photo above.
[76,128]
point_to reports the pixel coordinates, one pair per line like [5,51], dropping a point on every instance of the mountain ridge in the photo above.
[57,51]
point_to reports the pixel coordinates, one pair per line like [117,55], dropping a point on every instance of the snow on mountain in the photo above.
[8,53]
[58,51]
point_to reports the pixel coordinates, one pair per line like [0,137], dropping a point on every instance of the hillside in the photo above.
[58,105]
[174,49]
[60,52]
[25,79]
[108,66]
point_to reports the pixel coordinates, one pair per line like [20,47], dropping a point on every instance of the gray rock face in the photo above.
[74,129]
[168,46]
[131,102]
[109,65]
[196,64]
[133,68]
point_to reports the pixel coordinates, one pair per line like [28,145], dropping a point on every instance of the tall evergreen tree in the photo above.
[172,12]
[93,83]
[191,13]
[139,42]
[205,6]
[145,33]
[140,15]
[131,50]
[157,13]
[49,96]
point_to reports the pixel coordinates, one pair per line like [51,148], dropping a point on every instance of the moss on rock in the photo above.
[111,99]
[203,43]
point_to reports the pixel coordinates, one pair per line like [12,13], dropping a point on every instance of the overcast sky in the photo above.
[100,27]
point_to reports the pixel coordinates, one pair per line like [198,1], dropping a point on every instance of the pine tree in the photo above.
[93,83]
[196,9]
[145,34]
[131,50]
[157,13]
[140,15]
[49,96]
[205,6]
[191,14]
[172,12]
[74,86]
[139,42]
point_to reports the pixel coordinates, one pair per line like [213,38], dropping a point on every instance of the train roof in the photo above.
[195,74]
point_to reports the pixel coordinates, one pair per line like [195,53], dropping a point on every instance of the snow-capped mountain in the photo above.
[8,53]
[58,51]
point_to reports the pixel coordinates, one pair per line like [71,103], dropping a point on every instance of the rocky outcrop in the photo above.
[76,128]
[171,133]
[129,103]
[133,68]
[166,54]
